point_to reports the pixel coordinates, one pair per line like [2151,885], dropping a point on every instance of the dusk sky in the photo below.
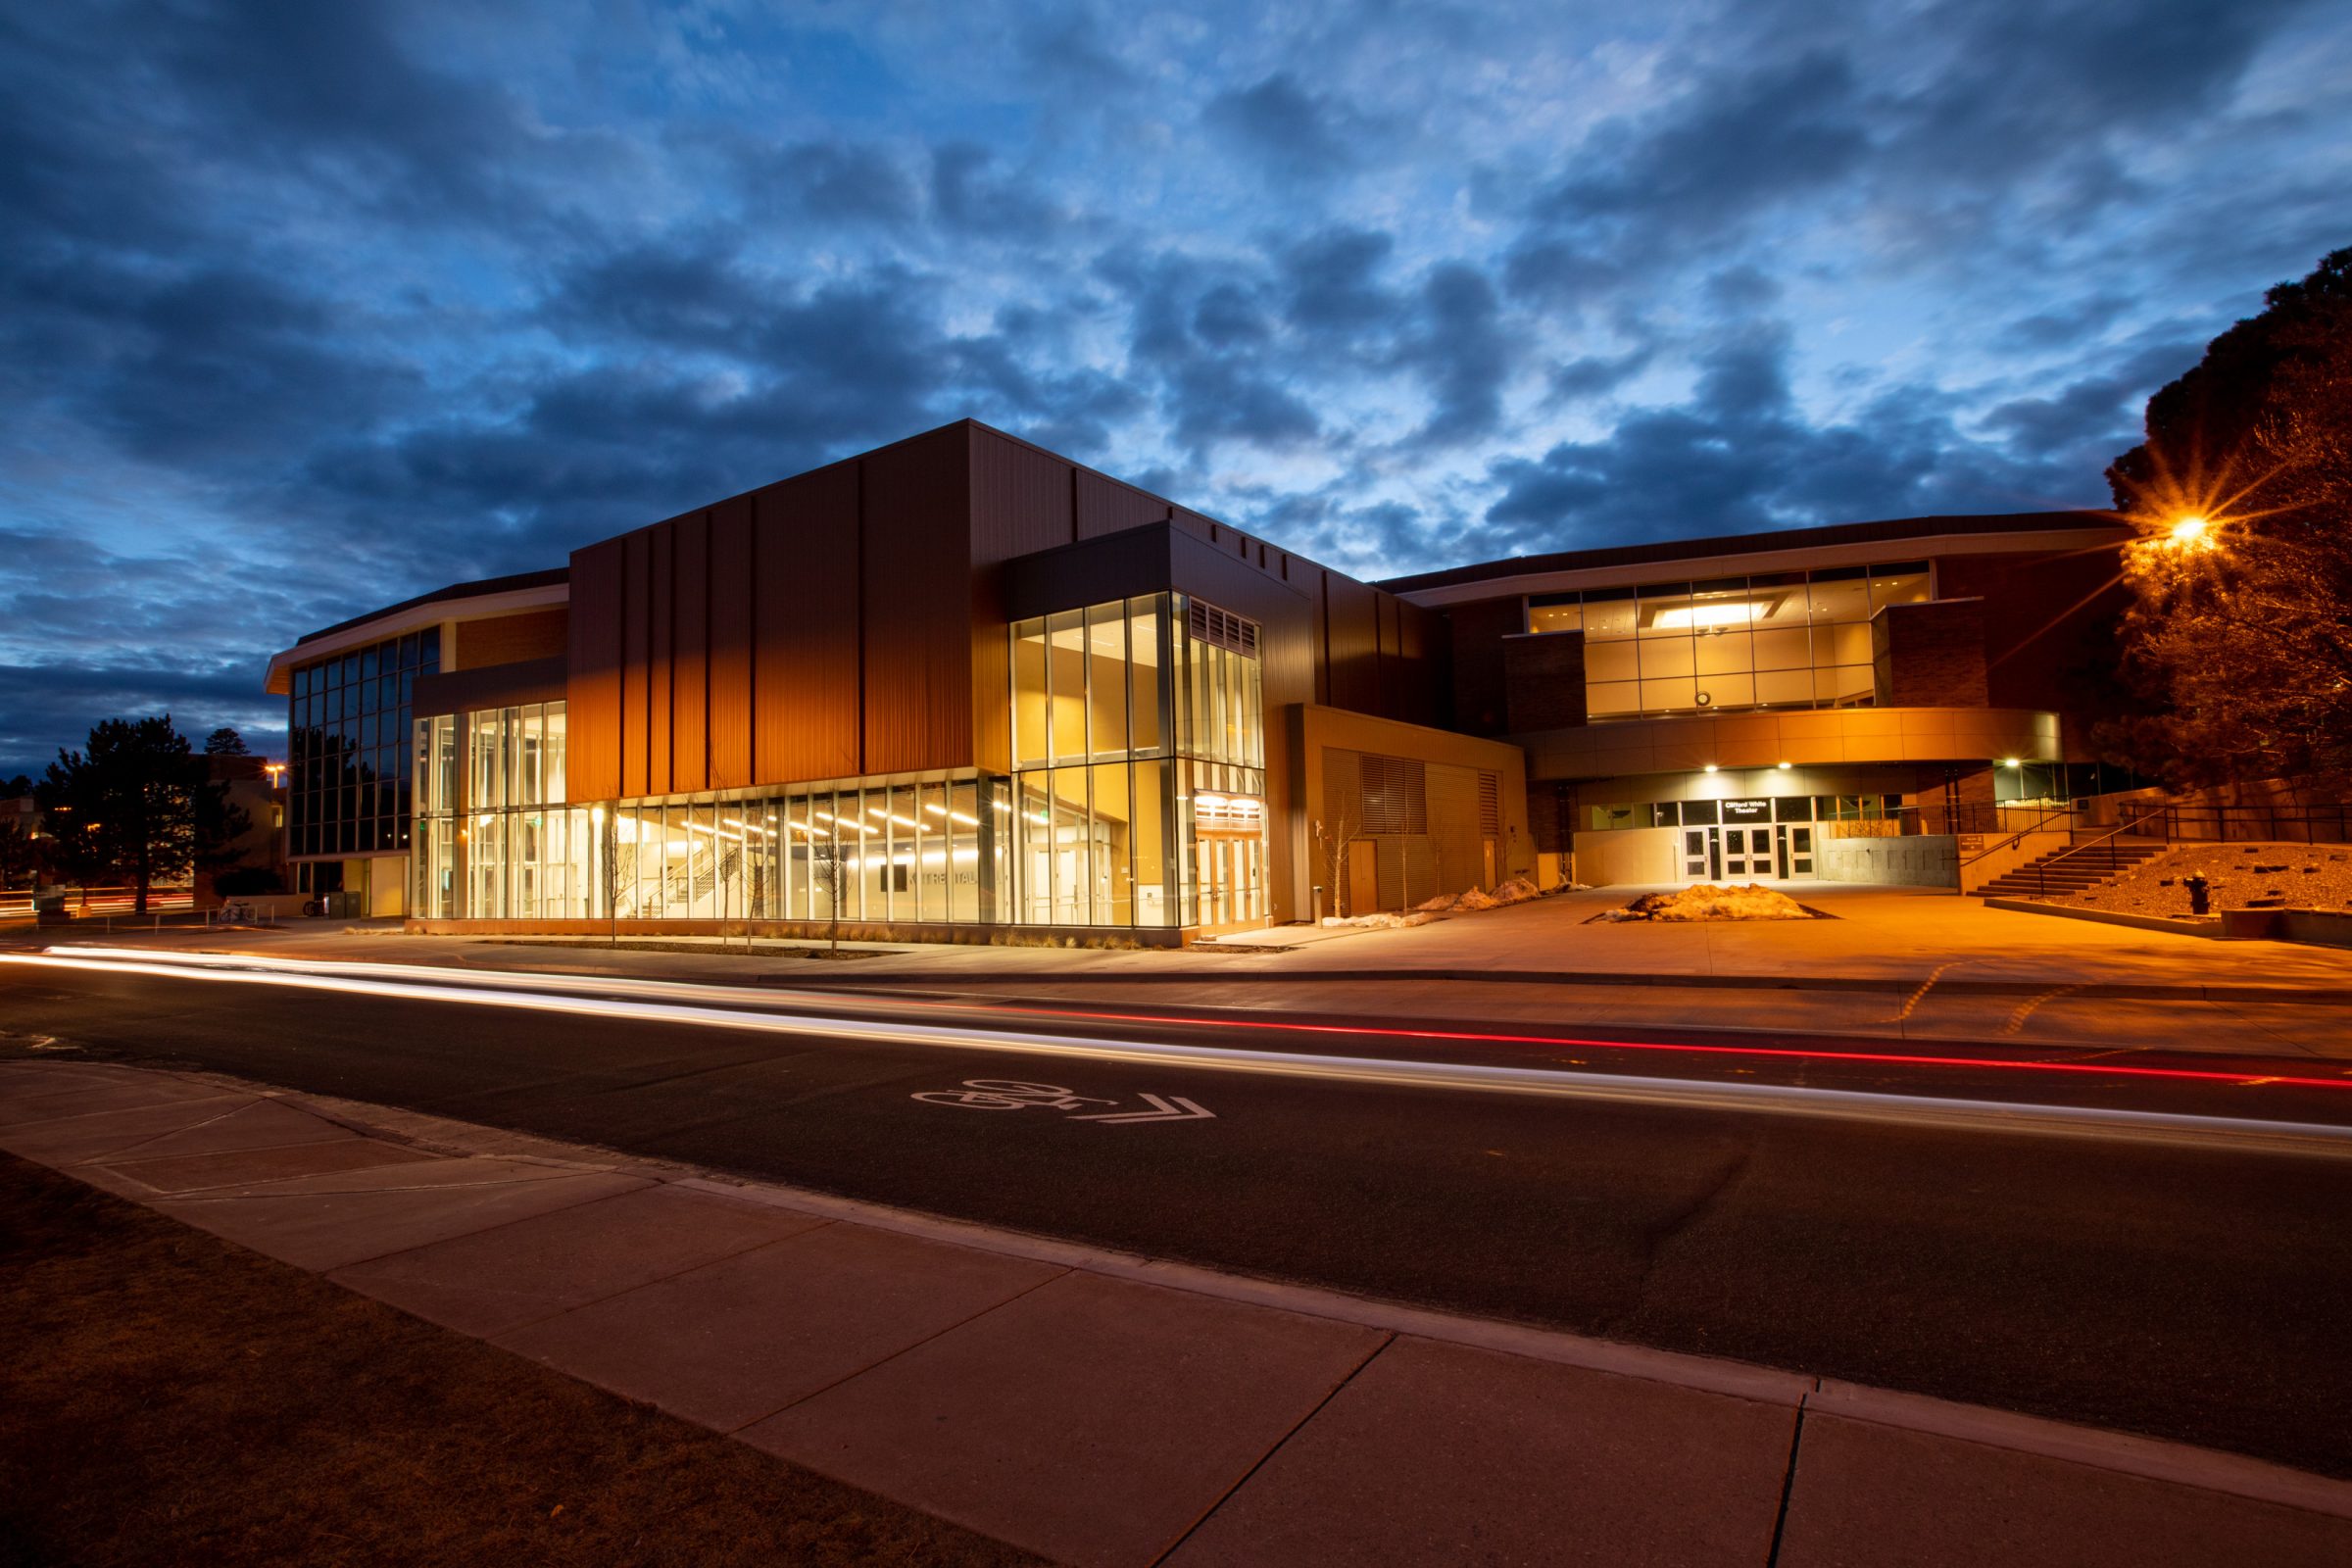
[310,307]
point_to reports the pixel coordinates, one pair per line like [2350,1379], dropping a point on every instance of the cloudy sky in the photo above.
[308,307]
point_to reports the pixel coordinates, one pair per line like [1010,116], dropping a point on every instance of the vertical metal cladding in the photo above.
[690,654]
[592,685]
[661,658]
[731,588]
[916,642]
[1351,642]
[1105,505]
[805,627]
[1023,501]
[636,663]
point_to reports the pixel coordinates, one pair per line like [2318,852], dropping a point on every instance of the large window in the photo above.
[494,837]
[1779,640]
[348,730]
[1139,743]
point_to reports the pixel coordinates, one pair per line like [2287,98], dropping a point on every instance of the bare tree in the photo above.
[1333,839]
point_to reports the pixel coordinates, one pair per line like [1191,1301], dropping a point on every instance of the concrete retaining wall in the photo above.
[1918,860]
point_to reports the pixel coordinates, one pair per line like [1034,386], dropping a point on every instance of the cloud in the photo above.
[306,308]
[1286,131]
[1737,455]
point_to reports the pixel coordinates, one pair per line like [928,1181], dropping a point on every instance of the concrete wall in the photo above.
[1635,855]
[1687,744]
[1984,864]
[1921,860]
[1449,858]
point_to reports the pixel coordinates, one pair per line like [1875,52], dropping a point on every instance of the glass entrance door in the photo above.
[1747,851]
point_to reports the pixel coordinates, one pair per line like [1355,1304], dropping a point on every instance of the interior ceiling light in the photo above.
[1702,614]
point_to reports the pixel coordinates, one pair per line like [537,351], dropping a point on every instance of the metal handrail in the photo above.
[2066,810]
[2041,867]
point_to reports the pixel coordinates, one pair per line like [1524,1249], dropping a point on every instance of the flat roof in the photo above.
[455,590]
[1660,552]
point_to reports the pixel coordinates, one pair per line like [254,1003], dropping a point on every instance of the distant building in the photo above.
[255,786]
[960,688]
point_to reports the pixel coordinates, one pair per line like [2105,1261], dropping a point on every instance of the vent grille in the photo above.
[1224,629]
[1396,795]
[1489,805]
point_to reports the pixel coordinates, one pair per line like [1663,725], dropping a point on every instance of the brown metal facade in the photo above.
[849,621]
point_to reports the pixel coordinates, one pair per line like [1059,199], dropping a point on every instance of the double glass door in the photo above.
[1743,853]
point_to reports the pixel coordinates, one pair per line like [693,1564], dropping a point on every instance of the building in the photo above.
[1838,702]
[960,688]
[257,787]
[953,688]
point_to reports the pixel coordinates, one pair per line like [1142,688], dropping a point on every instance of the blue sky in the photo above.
[305,307]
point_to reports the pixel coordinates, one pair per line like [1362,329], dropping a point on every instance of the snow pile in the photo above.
[1384,921]
[1707,901]
[1516,891]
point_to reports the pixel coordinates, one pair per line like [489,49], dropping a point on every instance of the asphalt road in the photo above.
[2191,1292]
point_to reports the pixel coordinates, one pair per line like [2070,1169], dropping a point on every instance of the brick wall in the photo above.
[1543,680]
[1930,655]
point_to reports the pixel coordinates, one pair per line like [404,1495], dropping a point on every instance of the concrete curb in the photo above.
[2146,1459]
[2210,931]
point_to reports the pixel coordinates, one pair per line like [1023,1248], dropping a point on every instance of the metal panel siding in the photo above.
[805,630]
[1202,529]
[1105,505]
[917,576]
[661,658]
[1022,499]
[1420,649]
[1353,640]
[636,659]
[690,655]
[1385,607]
[731,644]
[591,673]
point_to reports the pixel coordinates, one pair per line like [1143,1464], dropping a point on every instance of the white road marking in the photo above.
[1001,1094]
[1176,1108]
[536,993]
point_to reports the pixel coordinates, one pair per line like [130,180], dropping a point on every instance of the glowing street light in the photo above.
[2190,533]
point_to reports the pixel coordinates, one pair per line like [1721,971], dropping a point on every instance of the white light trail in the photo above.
[625,999]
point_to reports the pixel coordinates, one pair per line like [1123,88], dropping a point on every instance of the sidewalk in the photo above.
[1099,1408]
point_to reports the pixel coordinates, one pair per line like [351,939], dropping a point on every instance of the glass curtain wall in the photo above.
[1124,714]
[1782,640]
[906,852]
[506,845]
[347,726]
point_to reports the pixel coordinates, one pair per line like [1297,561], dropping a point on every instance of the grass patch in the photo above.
[167,1398]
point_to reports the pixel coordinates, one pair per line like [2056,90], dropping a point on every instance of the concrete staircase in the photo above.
[2072,869]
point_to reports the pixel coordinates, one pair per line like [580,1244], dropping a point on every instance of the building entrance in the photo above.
[1779,851]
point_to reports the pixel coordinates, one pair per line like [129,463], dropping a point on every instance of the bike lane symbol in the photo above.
[1006,1094]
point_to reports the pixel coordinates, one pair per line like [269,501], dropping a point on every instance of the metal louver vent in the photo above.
[1489,805]
[1396,795]
[1223,630]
